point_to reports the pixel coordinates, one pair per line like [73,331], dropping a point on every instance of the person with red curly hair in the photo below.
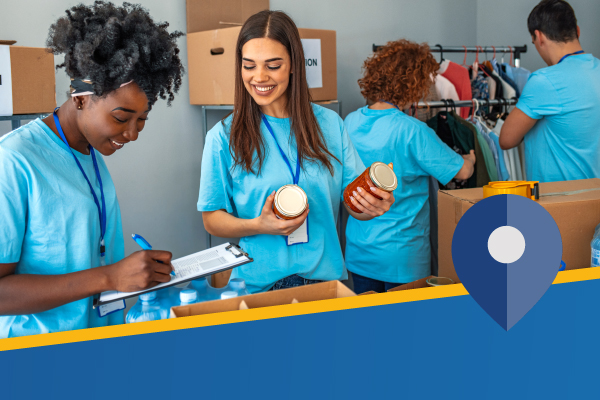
[395,249]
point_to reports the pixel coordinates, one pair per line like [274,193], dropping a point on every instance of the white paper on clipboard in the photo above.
[194,266]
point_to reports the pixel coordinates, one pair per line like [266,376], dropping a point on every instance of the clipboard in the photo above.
[194,266]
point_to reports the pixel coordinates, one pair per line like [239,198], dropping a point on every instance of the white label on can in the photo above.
[6,103]
[313,62]
[595,258]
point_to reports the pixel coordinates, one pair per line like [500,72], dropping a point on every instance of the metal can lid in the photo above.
[383,176]
[439,281]
[291,200]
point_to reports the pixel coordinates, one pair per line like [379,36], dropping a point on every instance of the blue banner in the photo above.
[446,348]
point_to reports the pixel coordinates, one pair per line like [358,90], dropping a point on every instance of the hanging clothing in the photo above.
[229,188]
[457,137]
[480,174]
[564,144]
[487,156]
[503,171]
[423,114]
[400,239]
[480,87]
[445,89]
[485,132]
[511,157]
[519,75]
[459,76]
[498,69]
[50,223]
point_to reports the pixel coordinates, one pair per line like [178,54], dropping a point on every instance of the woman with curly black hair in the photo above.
[397,75]
[61,239]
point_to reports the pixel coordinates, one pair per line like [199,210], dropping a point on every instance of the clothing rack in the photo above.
[516,50]
[466,103]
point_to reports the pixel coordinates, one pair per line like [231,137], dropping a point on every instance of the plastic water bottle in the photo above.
[147,308]
[596,248]
[188,296]
[238,285]
[204,290]
[230,294]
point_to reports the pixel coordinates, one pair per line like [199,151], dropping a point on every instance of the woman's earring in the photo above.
[79,107]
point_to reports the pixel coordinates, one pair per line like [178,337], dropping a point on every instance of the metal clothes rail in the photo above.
[466,103]
[516,50]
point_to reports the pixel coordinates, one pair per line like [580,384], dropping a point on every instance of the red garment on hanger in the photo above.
[459,77]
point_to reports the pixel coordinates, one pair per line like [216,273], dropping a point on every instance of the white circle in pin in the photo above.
[506,244]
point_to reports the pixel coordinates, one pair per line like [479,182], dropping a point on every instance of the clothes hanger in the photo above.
[441,52]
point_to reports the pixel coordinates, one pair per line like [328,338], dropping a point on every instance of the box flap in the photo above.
[7,42]
[318,291]
[420,283]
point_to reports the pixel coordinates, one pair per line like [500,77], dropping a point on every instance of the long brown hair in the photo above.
[245,136]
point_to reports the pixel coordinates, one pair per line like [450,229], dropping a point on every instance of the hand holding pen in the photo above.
[146,246]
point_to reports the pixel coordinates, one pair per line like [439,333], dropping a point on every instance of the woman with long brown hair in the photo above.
[276,137]
[396,76]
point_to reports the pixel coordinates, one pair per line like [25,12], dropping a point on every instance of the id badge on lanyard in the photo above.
[300,235]
[109,308]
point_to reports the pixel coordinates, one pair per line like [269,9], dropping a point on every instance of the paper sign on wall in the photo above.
[6,104]
[312,59]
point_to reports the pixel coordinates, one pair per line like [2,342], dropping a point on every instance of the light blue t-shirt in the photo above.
[50,223]
[564,144]
[244,194]
[395,247]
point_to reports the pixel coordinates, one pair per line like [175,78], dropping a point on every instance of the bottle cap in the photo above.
[237,284]
[188,296]
[291,200]
[383,176]
[148,296]
[228,295]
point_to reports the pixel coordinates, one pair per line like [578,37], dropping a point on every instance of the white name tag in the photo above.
[110,308]
[300,235]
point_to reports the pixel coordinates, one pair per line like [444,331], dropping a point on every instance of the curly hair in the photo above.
[111,45]
[400,73]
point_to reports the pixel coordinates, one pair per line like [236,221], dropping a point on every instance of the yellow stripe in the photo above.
[262,313]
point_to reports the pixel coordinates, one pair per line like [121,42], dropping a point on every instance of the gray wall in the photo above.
[505,23]
[157,178]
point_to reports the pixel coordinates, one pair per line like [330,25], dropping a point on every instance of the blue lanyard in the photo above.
[296,177]
[101,211]
[572,54]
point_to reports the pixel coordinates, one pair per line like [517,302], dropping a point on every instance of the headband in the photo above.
[85,87]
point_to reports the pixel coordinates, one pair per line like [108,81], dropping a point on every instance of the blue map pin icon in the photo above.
[506,251]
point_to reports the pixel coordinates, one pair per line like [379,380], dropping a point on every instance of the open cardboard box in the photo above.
[211,65]
[31,78]
[315,292]
[574,205]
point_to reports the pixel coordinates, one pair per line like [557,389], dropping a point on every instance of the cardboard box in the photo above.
[574,205]
[315,292]
[211,65]
[31,88]
[420,283]
[206,15]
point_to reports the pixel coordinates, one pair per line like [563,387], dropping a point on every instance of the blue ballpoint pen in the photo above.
[145,245]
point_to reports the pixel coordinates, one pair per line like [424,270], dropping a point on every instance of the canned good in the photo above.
[290,202]
[439,281]
[383,177]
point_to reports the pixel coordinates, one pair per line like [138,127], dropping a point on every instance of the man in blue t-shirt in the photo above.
[558,114]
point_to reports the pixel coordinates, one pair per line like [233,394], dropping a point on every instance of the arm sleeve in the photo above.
[539,98]
[13,206]
[216,184]
[351,163]
[433,157]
